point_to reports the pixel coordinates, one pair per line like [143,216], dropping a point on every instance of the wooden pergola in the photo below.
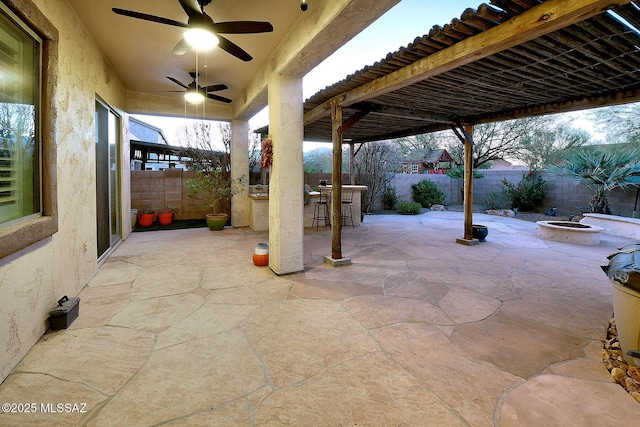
[507,60]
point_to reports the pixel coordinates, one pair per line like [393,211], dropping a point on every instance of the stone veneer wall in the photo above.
[167,188]
[33,279]
[563,194]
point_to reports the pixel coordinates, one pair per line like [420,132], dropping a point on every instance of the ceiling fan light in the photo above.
[193,97]
[200,39]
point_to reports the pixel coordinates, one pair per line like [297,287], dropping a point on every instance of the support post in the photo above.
[336,183]
[240,203]
[467,140]
[286,186]
[352,160]
[468,185]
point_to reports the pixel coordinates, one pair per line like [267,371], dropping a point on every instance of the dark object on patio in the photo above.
[624,266]
[551,212]
[175,225]
[65,313]
[479,232]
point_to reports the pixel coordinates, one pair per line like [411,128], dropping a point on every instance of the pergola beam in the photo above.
[406,113]
[540,20]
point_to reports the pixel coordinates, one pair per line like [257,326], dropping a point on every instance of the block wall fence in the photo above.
[563,194]
[159,189]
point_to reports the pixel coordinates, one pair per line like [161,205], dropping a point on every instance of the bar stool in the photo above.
[347,214]
[321,209]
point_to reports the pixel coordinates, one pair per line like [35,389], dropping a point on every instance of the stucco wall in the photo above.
[32,280]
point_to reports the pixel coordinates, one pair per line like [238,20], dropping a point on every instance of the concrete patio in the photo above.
[179,328]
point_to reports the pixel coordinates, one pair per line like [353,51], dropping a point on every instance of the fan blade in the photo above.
[242,27]
[215,88]
[178,83]
[191,8]
[233,49]
[218,98]
[181,48]
[147,17]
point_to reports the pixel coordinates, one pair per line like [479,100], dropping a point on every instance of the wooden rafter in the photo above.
[538,21]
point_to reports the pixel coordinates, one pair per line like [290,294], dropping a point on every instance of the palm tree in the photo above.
[601,171]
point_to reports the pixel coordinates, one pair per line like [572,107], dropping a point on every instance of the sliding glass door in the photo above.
[107,177]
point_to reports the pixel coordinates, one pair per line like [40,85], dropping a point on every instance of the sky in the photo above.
[397,28]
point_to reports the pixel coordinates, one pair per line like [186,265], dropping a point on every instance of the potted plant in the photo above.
[165,217]
[146,217]
[213,187]
[624,274]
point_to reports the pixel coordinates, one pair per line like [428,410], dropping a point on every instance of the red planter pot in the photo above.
[145,220]
[165,218]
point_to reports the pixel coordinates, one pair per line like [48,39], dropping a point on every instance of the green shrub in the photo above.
[389,198]
[409,208]
[529,192]
[427,193]
[495,200]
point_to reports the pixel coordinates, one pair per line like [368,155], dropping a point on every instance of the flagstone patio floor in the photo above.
[179,328]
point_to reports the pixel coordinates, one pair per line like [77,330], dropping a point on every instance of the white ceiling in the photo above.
[140,51]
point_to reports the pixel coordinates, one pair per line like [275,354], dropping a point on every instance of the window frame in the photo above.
[24,234]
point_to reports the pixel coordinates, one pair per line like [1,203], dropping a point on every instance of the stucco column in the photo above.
[240,203]
[286,184]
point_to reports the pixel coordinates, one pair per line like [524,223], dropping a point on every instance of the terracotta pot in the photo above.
[165,218]
[261,255]
[217,221]
[145,219]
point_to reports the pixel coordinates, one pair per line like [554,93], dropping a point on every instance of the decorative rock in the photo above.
[502,212]
[631,385]
[619,375]
[634,373]
[615,354]
[439,208]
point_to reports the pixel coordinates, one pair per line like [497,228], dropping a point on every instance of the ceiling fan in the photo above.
[198,21]
[195,93]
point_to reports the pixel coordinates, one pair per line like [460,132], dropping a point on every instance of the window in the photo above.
[19,116]
[28,203]
[414,168]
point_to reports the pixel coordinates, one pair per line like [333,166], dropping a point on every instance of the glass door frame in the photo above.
[111,135]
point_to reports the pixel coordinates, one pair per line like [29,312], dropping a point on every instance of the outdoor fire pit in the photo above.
[569,232]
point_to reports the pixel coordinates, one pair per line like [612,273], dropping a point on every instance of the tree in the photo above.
[601,170]
[545,146]
[499,140]
[196,138]
[429,141]
[375,164]
[319,160]
[620,123]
